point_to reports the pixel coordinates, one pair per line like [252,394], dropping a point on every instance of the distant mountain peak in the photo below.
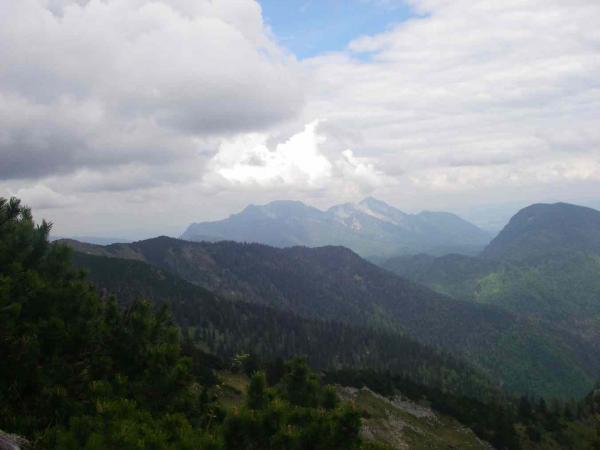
[382,210]
[371,207]
[372,202]
[275,209]
[370,227]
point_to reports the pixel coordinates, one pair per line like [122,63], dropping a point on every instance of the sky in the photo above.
[309,28]
[134,118]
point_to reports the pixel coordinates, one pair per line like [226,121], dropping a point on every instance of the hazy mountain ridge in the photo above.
[98,240]
[333,283]
[371,228]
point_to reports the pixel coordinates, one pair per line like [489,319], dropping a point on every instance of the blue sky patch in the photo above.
[312,27]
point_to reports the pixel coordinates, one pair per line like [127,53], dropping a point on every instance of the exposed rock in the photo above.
[404,424]
[12,442]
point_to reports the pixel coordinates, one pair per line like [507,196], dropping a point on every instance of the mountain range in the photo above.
[108,356]
[336,285]
[371,228]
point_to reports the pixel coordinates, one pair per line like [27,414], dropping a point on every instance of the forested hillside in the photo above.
[545,265]
[228,328]
[333,283]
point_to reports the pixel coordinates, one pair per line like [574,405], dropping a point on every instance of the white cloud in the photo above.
[361,173]
[41,197]
[155,113]
[299,162]
[246,160]
[464,179]
[472,94]
[110,82]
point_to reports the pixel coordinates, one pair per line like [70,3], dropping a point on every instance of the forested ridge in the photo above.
[544,264]
[333,283]
[543,267]
[228,328]
[543,230]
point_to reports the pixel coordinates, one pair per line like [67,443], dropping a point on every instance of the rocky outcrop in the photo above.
[13,442]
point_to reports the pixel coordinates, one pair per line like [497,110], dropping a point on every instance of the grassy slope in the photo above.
[404,425]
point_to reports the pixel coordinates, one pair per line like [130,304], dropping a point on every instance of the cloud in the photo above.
[105,83]
[479,91]
[41,197]
[299,162]
[361,173]
[246,160]
[468,178]
[148,115]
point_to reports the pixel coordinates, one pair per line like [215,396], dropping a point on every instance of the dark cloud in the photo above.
[35,153]
[101,84]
